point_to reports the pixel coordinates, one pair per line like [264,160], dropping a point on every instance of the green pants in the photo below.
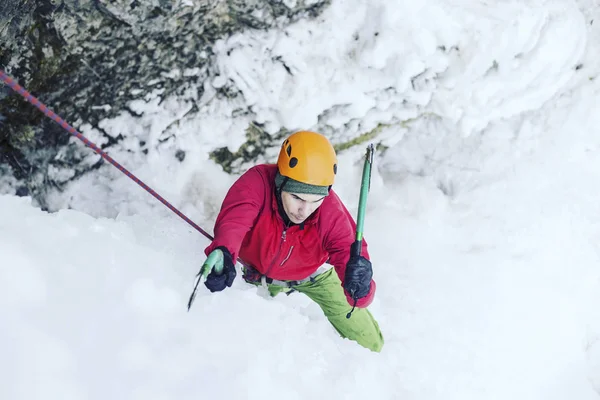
[327,292]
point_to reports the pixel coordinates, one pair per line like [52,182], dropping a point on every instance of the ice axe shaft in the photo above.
[365,186]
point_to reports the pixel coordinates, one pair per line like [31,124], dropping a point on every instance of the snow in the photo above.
[482,220]
[8,182]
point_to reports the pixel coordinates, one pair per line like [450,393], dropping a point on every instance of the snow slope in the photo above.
[482,222]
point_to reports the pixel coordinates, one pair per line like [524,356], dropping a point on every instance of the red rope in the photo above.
[30,98]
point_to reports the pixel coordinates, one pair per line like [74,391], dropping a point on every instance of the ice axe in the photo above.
[365,186]
[214,261]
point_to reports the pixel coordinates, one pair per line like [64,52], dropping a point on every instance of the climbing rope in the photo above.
[50,114]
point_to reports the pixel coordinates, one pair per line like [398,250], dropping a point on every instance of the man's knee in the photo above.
[360,327]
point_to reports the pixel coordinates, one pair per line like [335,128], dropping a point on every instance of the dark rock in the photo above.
[22,191]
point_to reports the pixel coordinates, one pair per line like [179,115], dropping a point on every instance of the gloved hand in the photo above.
[357,279]
[216,283]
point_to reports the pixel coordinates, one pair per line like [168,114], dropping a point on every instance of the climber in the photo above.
[286,222]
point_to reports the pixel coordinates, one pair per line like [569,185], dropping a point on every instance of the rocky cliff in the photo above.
[88,59]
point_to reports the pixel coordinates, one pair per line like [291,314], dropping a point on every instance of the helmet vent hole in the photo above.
[293,162]
[289,150]
[335,169]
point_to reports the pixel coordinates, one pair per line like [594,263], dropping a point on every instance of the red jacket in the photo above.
[250,227]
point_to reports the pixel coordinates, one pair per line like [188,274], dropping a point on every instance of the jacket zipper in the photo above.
[288,256]
[283,236]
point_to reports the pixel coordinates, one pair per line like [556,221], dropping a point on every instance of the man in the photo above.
[285,221]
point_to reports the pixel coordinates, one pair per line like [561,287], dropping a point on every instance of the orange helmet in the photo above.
[308,157]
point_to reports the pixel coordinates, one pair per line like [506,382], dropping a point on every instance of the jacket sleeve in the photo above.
[239,210]
[339,236]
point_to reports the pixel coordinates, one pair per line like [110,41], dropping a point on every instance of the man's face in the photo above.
[299,206]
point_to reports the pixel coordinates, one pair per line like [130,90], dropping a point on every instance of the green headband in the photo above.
[293,186]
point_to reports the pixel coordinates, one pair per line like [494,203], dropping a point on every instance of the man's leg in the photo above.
[326,290]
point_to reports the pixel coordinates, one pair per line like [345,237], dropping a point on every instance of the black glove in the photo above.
[357,279]
[216,283]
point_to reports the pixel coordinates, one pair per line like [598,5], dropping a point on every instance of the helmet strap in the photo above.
[280,188]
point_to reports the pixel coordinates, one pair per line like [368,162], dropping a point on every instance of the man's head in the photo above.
[299,199]
[307,166]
